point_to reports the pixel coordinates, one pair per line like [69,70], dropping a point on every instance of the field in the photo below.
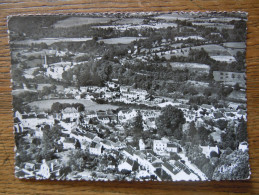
[129,21]
[45,105]
[236,45]
[228,59]
[121,40]
[79,21]
[194,66]
[50,41]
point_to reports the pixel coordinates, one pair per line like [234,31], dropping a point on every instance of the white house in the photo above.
[208,149]
[107,144]
[125,115]
[18,127]
[124,89]
[160,146]
[44,170]
[95,148]
[141,145]
[178,171]
[128,165]
[171,147]
[32,119]
[243,146]
[70,112]
[69,143]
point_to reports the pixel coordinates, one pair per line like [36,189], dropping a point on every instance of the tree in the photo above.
[49,143]
[56,107]
[170,120]
[241,131]
[234,166]
[138,126]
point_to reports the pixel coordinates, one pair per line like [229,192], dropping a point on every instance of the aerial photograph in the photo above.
[144,96]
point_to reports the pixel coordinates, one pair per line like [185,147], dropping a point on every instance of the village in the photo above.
[161,102]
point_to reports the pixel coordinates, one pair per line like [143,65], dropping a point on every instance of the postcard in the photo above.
[130,96]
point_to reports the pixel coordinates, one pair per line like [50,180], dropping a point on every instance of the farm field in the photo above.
[78,21]
[50,41]
[121,40]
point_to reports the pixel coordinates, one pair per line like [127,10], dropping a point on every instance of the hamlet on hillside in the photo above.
[130,96]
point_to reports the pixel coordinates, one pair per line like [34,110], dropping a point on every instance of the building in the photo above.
[230,78]
[128,165]
[95,148]
[70,113]
[141,145]
[208,149]
[69,143]
[179,171]
[32,119]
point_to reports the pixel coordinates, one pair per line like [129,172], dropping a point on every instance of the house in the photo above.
[208,149]
[69,143]
[95,148]
[29,166]
[128,165]
[129,152]
[48,169]
[108,95]
[71,113]
[141,145]
[107,144]
[146,159]
[111,85]
[171,147]
[32,119]
[89,137]
[125,115]
[56,70]
[160,146]
[124,89]
[178,171]
[230,78]
[104,119]
[243,146]
[143,174]
[18,127]
[69,126]
[44,171]
[90,114]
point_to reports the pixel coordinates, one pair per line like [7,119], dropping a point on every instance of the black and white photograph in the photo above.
[141,96]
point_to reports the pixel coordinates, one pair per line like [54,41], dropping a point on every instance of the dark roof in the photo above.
[90,135]
[130,150]
[183,167]
[132,163]
[16,120]
[69,140]
[172,168]
[93,144]
[41,116]
[162,174]
[171,144]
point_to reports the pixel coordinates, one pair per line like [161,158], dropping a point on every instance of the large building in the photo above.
[230,78]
